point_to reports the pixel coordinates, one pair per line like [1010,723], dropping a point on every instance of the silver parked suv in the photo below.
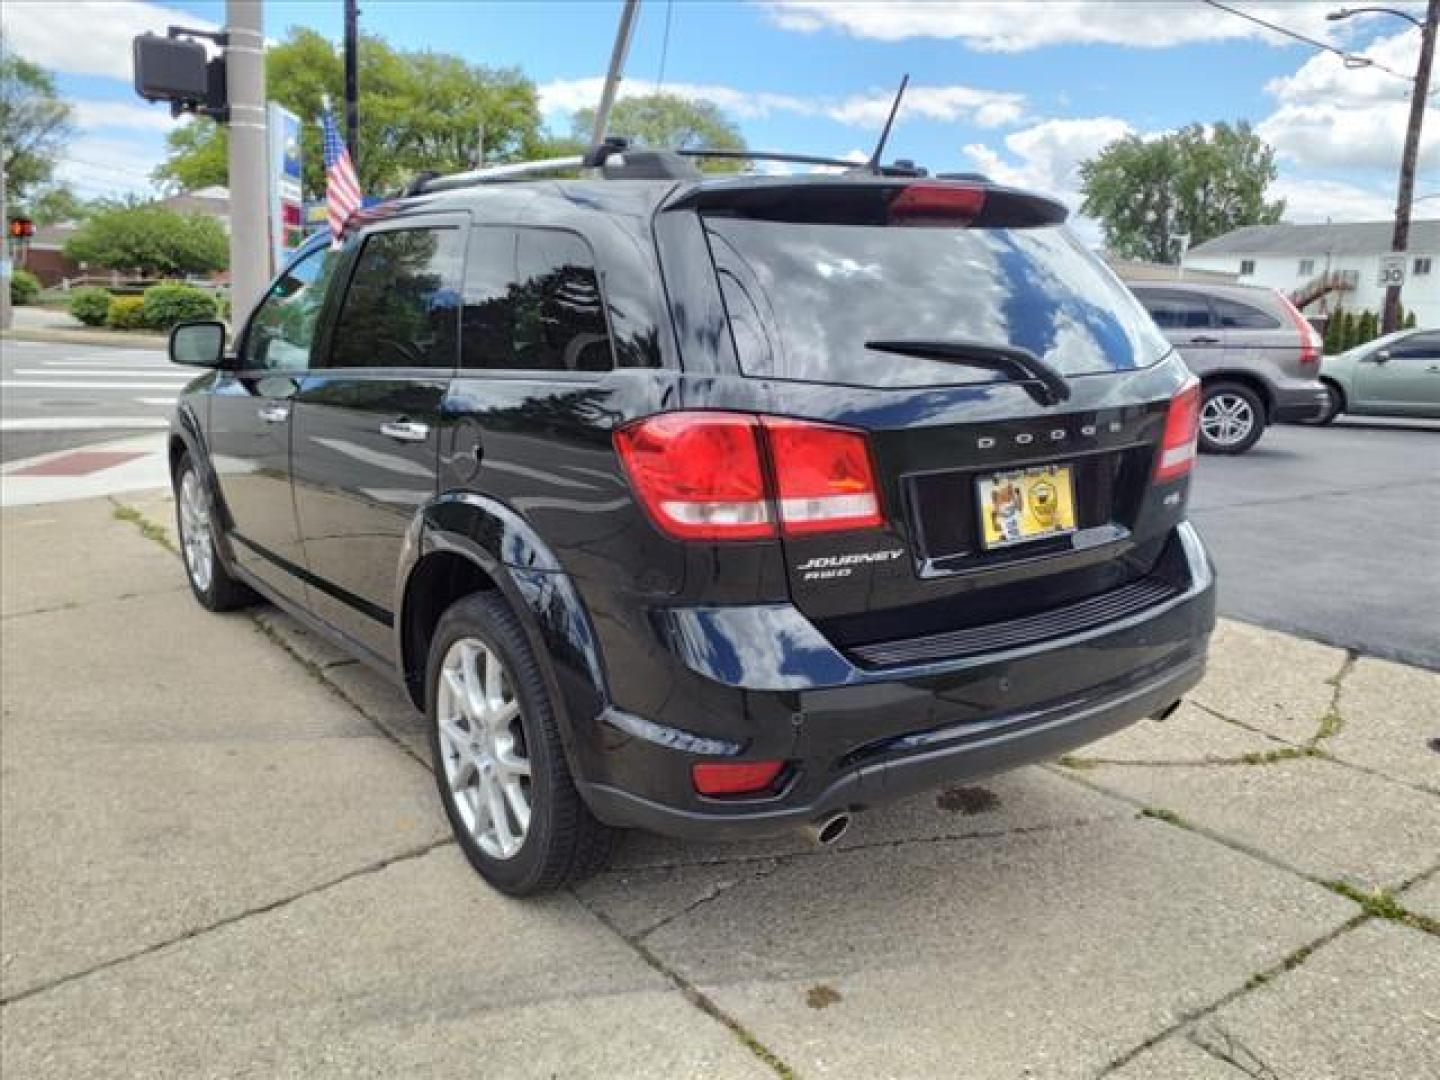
[1257,358]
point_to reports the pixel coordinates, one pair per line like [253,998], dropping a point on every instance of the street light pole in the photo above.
[249,200]
[1400,238]
[352,78]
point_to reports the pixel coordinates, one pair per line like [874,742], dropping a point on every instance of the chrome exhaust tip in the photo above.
[827,830]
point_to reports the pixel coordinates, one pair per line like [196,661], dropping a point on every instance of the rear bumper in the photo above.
[1296,405]
[854,737]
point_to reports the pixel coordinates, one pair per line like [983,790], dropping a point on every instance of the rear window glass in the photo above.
[804,299]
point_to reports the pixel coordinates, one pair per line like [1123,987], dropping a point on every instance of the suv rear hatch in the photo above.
[1009,388]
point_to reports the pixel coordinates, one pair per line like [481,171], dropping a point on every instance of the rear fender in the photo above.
[502,545]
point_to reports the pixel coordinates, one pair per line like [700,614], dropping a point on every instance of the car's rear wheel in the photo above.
[1232,418]
[195,523]
[1334,405]
[499,763]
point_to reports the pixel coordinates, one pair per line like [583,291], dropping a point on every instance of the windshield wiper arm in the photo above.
[1041,381]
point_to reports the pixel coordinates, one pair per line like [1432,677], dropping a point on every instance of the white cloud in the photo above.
[1046,156]
[1319,200]
[1005,26]
[984,108]
[1331,116]
[122,114]
[101,166]
[86,37]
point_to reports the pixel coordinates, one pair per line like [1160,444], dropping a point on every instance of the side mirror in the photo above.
[1382,356]
[198,344]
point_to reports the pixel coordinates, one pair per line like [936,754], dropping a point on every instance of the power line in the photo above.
[1352,60]
[664,45]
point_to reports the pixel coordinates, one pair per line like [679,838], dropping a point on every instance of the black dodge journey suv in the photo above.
[711,505]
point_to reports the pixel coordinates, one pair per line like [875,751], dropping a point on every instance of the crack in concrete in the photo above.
[693,994]
[717,890]
[1333,720]
[229,920]
[75,605]
[1235,1052]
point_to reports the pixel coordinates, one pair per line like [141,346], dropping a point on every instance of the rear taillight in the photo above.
[701,476]
[1311,343]
[734,777]
[937,204]
[1182,427]
[823,478]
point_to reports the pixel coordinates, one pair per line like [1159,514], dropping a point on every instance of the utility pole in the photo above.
[352,79]
[249,146]
[1400,240]
[617,67]
[6,270]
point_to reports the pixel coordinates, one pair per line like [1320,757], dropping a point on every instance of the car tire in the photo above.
[499,764]
[1232,418]
[195,525]
[1334,405]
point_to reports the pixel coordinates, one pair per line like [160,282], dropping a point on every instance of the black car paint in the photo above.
[656,651]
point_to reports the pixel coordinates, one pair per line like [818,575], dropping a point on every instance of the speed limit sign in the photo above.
[1392,271]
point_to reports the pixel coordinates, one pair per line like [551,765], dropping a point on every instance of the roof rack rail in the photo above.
[428,182]
[770,155]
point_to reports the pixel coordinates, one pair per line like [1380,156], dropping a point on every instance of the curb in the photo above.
[84,337]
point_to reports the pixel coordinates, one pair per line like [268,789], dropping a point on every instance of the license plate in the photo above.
[1026,504]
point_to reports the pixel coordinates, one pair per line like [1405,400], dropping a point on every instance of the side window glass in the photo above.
[1420,346]
[1237,316]
[283,327]
[402,308]
[559,320]
[488,319]
[1177,311]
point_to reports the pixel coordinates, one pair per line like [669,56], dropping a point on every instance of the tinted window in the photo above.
[283,327]
[1419,345]
[402,308]
[532,302]
[488,319]
[1237,316]
[1177,311]
[828,289]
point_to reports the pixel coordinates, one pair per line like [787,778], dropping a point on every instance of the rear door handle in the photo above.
[405,430]
[274,414]
[1202,340]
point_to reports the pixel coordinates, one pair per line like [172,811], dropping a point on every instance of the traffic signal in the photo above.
[21,228]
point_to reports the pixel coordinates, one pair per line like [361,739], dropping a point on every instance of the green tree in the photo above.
[1198,180]
[34,123]
[1368,328]
[418,111]
[1333,327]
[1409,323]
[667,120]
[151,240]
[55,202]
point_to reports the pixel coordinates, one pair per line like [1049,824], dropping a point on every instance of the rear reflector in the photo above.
[1311,343]
[823,477]
[700,475]
[734,777]
[937,204]
[1182,427]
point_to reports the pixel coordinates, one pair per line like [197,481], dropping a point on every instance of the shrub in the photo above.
[126,313]
[90,305]
[24,288]
[167,305]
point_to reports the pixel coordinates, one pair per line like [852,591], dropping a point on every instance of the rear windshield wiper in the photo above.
[1046,385]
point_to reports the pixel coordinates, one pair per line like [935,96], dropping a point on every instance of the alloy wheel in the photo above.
[1227,419]
[195,535]
[483,750]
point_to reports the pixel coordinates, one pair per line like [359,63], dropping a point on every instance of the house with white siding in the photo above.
[1326,267]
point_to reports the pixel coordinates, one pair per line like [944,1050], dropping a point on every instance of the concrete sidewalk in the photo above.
[221,854]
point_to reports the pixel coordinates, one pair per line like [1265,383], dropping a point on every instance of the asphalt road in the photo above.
[57,396]
[1332,533]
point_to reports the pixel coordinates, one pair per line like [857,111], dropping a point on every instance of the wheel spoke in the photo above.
[473,693]
[499,820]
[494,682]
[519,804]
[462,771]
[512,764]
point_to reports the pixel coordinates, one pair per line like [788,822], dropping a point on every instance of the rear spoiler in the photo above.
[866,199]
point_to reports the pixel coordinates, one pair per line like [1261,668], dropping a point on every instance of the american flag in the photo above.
[342,186]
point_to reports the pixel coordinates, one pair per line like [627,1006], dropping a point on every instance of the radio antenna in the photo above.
[885,132]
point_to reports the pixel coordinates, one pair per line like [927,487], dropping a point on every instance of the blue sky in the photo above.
[1022,90]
